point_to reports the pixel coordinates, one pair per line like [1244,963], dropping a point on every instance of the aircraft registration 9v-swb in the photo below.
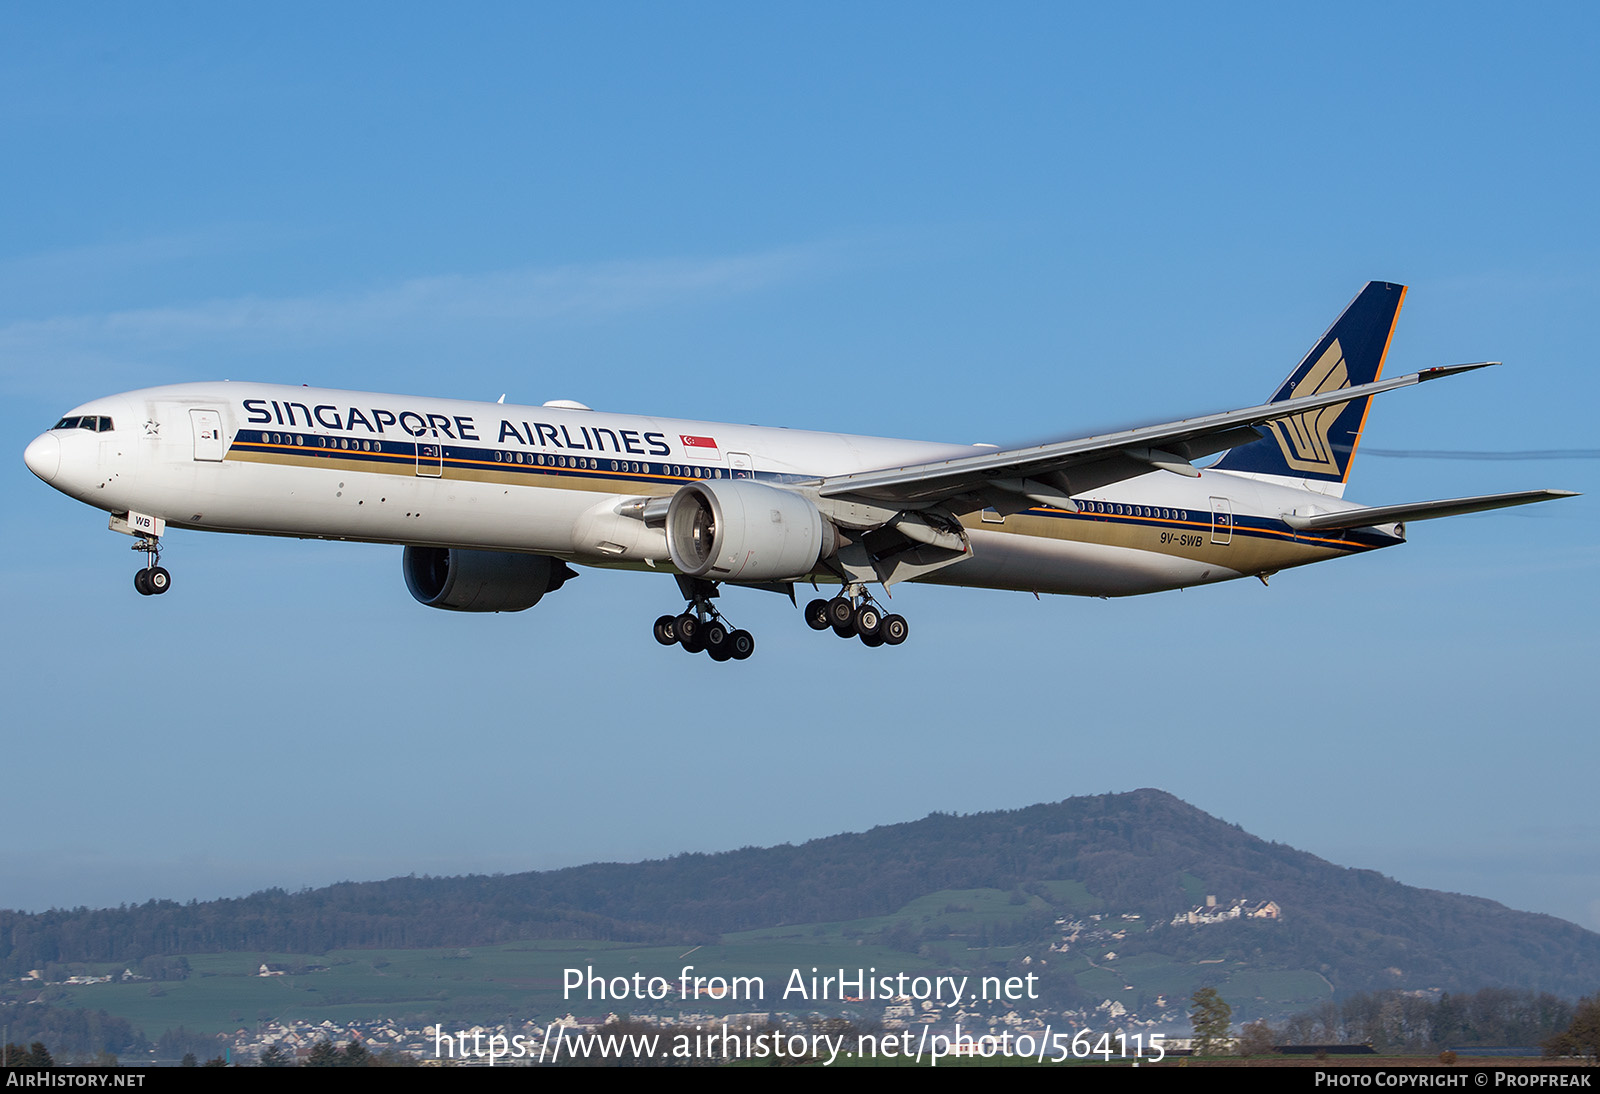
[493,502]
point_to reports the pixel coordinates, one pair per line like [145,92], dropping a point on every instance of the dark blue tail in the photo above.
[1319,445]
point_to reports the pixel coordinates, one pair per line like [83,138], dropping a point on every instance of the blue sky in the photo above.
[933,221]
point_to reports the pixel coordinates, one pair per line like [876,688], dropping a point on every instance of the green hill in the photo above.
[946,890]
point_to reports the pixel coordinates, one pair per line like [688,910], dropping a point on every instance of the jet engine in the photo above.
[741,530]
[481,581]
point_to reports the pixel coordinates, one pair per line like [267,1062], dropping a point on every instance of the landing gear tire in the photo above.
[842,614]
[817,615]
[872,640]
[742,644]
[868,620]
[666,630]
[894,630]
[158,579]
[717,641]
[690,631]
[846,631]
[141,581]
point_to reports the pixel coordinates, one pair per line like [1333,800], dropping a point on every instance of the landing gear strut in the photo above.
[702,628]
[153,579]
[854,614]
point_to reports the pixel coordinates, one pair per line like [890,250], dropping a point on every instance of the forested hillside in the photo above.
[1142,852]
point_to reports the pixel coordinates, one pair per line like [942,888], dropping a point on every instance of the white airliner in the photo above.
[492,502]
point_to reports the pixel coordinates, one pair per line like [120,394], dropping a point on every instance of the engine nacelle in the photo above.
[481,581]
[740,530]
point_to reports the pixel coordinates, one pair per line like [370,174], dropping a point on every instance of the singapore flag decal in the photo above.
[702,445]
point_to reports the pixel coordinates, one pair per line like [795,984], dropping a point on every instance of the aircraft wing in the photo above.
[1049,474]
[1420,510]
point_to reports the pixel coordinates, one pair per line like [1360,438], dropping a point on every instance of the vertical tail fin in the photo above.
[1316,448]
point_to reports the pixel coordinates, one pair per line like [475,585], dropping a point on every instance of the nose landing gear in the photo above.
[153,580]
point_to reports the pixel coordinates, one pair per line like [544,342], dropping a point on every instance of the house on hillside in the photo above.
[1213,912]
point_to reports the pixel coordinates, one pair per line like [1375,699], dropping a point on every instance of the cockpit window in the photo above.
[94,423]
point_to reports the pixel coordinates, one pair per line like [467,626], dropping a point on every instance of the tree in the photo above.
[1582,1037]
[275,1056]
[1256,1039]
[324,1054]
[1213,1022]
[35,1055]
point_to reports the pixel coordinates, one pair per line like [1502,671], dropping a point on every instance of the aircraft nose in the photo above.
[43,456]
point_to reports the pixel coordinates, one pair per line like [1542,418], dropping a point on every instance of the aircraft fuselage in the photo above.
[294,461]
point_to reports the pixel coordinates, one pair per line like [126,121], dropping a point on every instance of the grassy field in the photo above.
[523,980]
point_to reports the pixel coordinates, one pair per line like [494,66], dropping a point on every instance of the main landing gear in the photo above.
[702,628]
[153,579]
[854,614]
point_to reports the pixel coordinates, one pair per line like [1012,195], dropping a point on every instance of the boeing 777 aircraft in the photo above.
[492,502]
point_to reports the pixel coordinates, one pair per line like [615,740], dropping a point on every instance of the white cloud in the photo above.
[567,293]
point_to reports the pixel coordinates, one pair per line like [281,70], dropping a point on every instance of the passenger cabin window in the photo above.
[94,423]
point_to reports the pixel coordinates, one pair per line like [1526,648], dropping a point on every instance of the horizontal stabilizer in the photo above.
[1420,510]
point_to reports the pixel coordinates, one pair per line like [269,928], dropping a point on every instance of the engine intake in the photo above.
[741,530]
[481,581]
